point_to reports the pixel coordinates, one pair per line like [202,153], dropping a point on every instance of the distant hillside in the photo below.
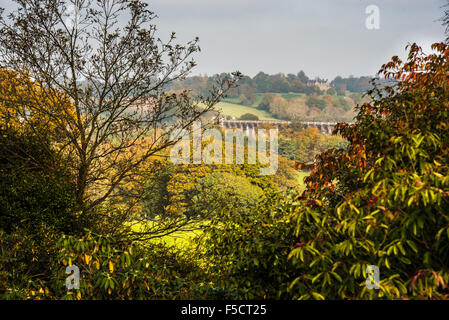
[287,97]
[281,83]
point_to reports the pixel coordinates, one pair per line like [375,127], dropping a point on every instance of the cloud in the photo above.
[325,38]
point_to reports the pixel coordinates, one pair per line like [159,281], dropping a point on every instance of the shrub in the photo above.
[247,253]
[36,186]
[315,102]
[383,201]
[110,269]
[249,116]
[221,190]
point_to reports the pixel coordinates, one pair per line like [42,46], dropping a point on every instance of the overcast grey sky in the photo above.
[324,38]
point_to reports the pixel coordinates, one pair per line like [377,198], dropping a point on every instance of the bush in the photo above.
[249,116]
[266,101]
[221,191]
[315,102]
[37,205]
[383,201]
[247,253]
[36,188]
[110,269]
[26,262]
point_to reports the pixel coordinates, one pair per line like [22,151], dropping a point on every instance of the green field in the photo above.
[178,239]
[235,110]
[291,95]
[231,106]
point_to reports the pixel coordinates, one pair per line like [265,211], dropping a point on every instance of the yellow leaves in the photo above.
[392,215]
[22,100]
[317,296]
[387,263]
[87,258]
[111,267]
[439,175]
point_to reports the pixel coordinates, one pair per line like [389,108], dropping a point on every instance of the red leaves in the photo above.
[421,273]
[373,200]
[313,204]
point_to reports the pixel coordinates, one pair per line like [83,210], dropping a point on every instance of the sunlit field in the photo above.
[235,110]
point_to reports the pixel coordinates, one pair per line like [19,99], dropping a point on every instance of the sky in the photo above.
[325,38]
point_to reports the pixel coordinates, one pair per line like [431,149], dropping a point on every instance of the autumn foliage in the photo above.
[384,200]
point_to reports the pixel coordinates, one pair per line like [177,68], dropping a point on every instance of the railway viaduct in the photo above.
[249,126]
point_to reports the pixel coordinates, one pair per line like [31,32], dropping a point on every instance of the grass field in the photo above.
[179,239]
[235,110]
[291,95]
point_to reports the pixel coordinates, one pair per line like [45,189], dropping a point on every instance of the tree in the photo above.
[249,116]
[266,101]
[286,176]
[383,199]
[35,186]
[331,91]
[247,96]
[278,105]
[115,76]
[315,102]
[247,252]
[445,20]
[221,191]
[37,205]
[18,95]
[302,77]
[340,88]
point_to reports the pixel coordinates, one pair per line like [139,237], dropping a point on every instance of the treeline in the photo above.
[352,84]
[280,83]
[291,96]
[312,108]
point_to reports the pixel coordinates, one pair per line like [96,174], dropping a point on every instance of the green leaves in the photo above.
[116,270]
[248,252]
[390,207]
